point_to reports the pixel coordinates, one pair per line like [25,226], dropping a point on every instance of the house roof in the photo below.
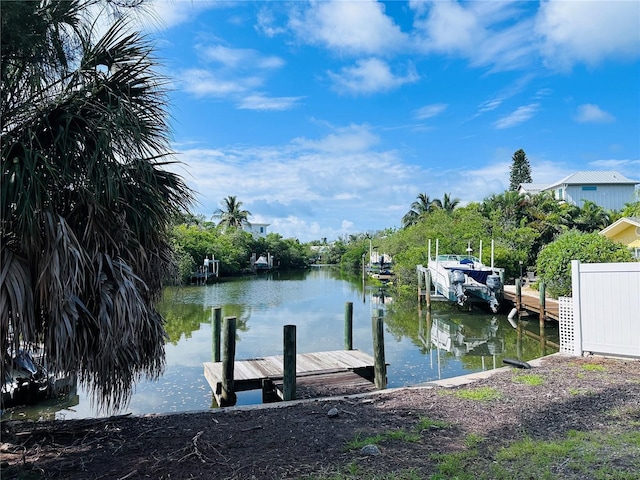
[532,187]
[621,224]
[594,177]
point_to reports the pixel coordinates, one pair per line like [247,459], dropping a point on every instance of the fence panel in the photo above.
[607,302]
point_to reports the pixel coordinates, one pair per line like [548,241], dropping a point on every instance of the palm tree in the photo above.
[85,198]
[447,204]
[232,215]
[592,217]
[508,207]
[419,209]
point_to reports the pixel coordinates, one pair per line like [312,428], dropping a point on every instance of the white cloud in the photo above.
[429,111]
[589,113]
[488,34]
[204,83]
[348,27]
[330,186]
[262,102]
[370,76]
[588,32]
[628,167]
[165,14]
[354,138]
[239,72]
[239,58]
[520,115]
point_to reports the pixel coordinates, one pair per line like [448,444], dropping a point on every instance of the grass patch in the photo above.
[596,455]
[580,391]
[355,472]
[400,435]
[428,424]
[528,379]
[473,440]
[592,367]
[628,415]
[481,394]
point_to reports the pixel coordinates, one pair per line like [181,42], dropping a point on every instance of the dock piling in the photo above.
[543,313]
[348,326]
[289,360]
[380,367]
[216,326]
[228,395]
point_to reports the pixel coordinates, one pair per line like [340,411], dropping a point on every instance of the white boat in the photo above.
[464,279]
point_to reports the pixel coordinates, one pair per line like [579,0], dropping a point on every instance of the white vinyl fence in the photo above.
[603,316]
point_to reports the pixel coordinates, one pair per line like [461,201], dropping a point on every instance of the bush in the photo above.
[554,261]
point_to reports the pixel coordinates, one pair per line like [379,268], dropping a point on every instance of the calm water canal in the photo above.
[419,347]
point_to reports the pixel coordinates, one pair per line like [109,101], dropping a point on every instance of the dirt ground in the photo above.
[301,440]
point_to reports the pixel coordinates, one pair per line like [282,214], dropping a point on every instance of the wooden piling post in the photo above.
[216,326]
[228,395]
[348,326]
[419,285]
[543,303]
[289,374]
[518,295]
[378,353]
[543,314]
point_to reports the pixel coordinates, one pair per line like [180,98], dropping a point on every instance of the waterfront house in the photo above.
[531,188]
[608,189]
[626,230]
[258,230]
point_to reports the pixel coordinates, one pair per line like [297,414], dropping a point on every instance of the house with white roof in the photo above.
[608,189]
[531,188]
[258,230]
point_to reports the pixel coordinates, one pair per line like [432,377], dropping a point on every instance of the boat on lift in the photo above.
[465,280]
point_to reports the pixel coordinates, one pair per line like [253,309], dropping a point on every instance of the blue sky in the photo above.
[329,118]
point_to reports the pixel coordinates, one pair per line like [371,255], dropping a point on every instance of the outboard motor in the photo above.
[494,285]
[457,280]
[457,276]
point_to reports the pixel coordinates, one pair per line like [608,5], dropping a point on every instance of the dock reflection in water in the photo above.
[465,342]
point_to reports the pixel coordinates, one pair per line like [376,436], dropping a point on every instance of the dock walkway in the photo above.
[318,368]
[531,301]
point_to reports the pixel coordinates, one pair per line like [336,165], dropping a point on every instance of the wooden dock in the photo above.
[317,374]
[531,302]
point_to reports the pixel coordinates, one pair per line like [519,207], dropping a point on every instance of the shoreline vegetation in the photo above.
[567,417]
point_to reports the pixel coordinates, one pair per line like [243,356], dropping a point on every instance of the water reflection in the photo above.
[419,346]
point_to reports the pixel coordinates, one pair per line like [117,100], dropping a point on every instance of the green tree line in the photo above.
[195,239]
[522,228]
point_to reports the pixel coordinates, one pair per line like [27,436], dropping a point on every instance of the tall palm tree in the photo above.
[419,209]
[85,198]
[447,203]
[232,215]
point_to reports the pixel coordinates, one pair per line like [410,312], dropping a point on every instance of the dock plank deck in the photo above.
[249,374]
[326,384]
[531,302]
